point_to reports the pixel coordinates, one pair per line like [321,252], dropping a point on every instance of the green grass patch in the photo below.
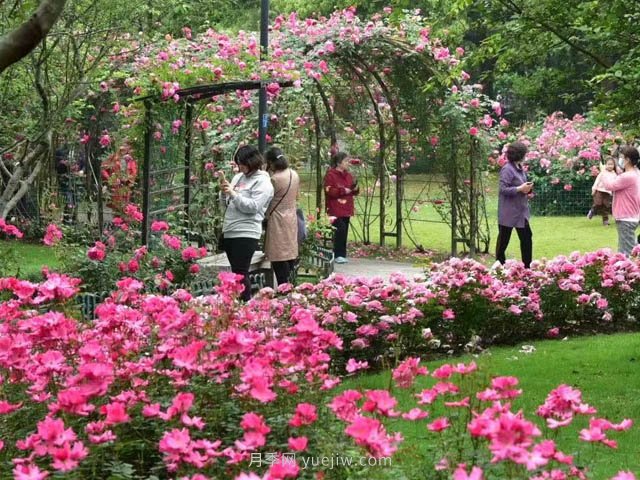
[606,368]
[31,257]
[552,236]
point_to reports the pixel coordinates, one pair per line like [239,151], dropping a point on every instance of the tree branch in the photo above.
[20,42]
[543,25]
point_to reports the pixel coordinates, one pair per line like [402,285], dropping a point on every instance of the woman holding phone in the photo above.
[513,205]
[247,197]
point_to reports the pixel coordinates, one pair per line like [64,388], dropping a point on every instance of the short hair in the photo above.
[276,159]
[250,157]
[516,151]
[631,153]
[337,158]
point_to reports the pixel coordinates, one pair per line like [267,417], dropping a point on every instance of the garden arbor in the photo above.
[381,89]
[165,173]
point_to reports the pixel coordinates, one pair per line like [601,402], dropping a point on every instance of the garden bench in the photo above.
[318,264]
[260,272]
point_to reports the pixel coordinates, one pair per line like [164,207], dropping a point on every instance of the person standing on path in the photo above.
[246,198]
[513,205]
[281,242]
[339,189]
[626,198]
[602,198]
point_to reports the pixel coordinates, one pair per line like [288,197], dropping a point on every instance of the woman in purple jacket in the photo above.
[513,205]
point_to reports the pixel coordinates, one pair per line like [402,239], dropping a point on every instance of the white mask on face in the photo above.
[621,162]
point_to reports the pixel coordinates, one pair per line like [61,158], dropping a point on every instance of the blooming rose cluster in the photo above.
[145,359]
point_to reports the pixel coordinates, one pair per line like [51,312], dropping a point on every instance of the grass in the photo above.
[606,368]
[552,236]
[31,257]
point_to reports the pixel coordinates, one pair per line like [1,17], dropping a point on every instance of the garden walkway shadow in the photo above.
[376,268]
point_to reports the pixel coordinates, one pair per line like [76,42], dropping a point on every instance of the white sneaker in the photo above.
[341,260]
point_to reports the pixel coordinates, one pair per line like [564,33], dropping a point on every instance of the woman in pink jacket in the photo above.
[626,198]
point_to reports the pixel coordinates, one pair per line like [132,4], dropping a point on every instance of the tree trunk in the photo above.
[18,43]
[23,176]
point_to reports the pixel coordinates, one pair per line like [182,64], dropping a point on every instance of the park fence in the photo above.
[557,200]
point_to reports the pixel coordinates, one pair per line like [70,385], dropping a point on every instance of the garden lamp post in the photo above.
[263,114]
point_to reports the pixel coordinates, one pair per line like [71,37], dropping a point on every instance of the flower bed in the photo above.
[197,388]
[386,252]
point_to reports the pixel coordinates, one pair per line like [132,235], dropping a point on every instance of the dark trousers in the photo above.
[341,225]
[526,245]
[283,270]
[239,253]
[602,204]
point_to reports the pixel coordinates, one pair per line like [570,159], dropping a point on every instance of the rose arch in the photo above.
[384,89]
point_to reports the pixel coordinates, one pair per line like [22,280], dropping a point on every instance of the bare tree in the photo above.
[18,43]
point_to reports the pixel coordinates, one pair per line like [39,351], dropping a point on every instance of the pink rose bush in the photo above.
[193,387]
[117,254]
[563,159]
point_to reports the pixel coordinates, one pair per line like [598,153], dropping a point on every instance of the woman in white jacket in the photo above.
[247,198]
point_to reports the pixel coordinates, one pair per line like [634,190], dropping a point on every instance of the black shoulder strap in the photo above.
[285,193]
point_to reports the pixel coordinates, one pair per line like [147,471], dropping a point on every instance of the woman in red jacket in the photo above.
[339,189]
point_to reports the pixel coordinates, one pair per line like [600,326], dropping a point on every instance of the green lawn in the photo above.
[552,236]
[31,257]
[606,368]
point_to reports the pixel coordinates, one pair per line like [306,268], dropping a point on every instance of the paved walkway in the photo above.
[374,268]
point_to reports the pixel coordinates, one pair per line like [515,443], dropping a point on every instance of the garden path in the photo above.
[375,267]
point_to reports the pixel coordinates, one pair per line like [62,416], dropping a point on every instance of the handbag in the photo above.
[302,226]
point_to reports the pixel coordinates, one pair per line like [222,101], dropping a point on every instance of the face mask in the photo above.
[621,162]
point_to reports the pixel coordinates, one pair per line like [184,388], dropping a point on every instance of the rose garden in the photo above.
[126,351]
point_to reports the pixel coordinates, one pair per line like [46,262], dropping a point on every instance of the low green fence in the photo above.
[554,200]
[316,266]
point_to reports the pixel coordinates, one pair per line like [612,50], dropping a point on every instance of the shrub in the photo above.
[194,388]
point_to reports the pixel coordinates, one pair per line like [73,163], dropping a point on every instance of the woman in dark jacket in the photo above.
[513,205]
[339,189]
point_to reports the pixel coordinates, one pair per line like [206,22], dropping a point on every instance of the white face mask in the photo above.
[621,162]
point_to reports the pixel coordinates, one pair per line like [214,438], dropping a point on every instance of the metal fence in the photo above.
[556,200]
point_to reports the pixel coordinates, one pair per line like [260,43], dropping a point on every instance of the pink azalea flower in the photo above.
[29,472]
[461,473]
[354,366]
[115,412]
[305,414]
[298,444]
[624,475]
[415,414]
[439,424]
[448,314]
